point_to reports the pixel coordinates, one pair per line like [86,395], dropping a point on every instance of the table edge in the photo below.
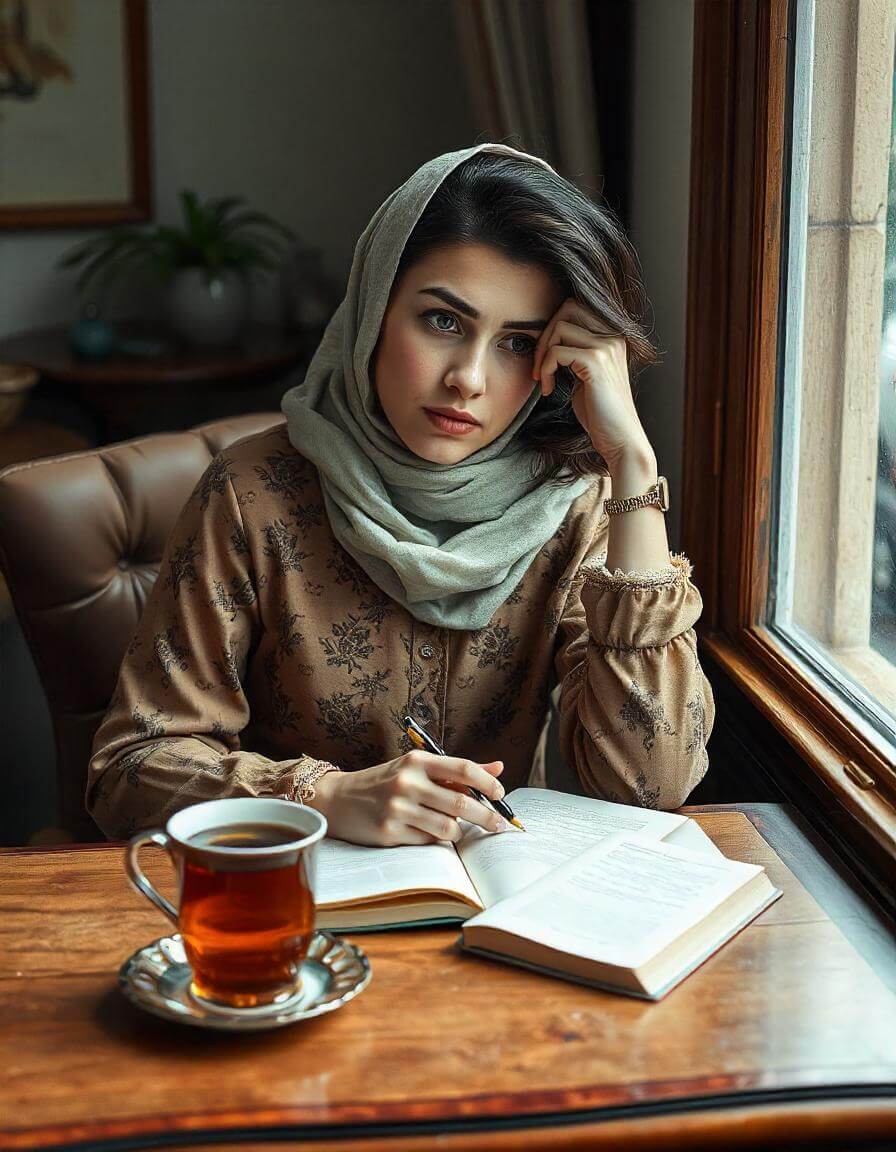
[859,1110]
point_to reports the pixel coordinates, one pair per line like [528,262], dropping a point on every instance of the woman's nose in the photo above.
[468,373]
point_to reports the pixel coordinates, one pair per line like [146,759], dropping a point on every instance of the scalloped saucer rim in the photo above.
[157,979]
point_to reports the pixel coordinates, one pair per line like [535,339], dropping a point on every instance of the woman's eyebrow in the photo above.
[469,310]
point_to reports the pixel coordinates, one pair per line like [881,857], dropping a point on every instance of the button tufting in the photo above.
[426,651]
[124,563]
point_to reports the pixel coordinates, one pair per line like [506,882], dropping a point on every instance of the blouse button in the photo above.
[427,651]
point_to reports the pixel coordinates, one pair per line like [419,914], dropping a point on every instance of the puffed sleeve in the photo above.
[635,708]
[170,736]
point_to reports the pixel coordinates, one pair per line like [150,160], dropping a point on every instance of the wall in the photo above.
[284,102]
[660,179]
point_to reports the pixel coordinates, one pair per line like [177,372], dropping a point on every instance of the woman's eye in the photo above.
[433,315]
[528,346]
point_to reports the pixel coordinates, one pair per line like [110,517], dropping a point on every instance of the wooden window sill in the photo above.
[818,733]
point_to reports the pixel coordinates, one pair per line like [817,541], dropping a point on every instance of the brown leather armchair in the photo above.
[81,539]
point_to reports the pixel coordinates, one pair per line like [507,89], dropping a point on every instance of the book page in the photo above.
[621,901]
[352,872]
[691,835]
[558,825]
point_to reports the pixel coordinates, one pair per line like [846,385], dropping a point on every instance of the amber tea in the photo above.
[244,836]
[247,901]
[245,932]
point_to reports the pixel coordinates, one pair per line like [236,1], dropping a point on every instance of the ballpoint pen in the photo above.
[423,740]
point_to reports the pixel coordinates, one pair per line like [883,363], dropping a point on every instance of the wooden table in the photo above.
[786,1035]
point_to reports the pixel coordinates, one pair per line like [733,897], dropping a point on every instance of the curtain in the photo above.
[531,80]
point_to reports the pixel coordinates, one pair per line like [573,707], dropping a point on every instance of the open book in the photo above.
[630,914]
[360,887]
[613,895]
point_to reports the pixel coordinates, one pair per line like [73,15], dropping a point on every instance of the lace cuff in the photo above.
[677,571]
[306,775]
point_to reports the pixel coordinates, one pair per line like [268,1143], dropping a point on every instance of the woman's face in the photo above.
[458,334]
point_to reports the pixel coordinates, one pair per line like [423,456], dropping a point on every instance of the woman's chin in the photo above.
[441,450]
[449,454]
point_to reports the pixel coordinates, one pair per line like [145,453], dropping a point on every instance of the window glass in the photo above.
[832,592]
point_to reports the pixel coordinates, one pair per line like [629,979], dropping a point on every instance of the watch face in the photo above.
[663,485]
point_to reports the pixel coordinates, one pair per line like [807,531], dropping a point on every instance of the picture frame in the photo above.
[74,113]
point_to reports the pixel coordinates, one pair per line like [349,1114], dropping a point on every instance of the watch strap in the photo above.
[657,493]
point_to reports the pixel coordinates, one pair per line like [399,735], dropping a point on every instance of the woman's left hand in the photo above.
[602,398]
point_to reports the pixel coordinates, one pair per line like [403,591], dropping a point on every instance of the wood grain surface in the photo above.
[786,1029]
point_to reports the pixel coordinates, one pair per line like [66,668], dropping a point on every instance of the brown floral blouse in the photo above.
[263,642]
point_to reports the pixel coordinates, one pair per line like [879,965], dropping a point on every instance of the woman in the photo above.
[372,558]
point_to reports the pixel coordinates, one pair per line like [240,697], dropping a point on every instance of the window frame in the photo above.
[740,156]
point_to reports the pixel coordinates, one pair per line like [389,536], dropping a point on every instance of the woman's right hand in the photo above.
[414,799]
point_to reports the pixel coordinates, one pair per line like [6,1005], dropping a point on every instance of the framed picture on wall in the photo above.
[74,113]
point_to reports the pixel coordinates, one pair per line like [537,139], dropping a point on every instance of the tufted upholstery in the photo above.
[81,539]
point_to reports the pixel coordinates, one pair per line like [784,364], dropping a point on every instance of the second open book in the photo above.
[610,894]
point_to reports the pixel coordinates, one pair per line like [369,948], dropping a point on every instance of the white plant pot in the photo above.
[208,311]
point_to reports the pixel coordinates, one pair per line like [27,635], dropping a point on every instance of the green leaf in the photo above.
[102,276]
[195,223]
[219,232]
[100,260]
[270,245]
[81,253]
[222,206]
[260,220]
[174,242]
[111,240]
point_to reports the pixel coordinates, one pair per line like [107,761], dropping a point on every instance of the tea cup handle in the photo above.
[137,878]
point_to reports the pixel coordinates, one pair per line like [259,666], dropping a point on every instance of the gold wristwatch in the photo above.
[306,776]
[657,494]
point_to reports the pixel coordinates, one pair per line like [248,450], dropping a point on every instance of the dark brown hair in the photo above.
[537,217]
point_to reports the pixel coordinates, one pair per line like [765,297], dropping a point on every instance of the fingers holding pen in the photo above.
[455,771]
[454,805]
[441,793]
[416,798]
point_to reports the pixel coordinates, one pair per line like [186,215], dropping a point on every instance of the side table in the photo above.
[128,396]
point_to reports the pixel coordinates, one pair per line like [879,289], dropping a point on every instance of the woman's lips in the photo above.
[452,427]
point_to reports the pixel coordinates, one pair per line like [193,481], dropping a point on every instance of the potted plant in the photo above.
[205,264]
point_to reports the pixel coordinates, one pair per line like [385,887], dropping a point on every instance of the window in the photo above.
[832,592]
[788,509]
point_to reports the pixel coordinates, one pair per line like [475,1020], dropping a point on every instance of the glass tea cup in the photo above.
[246,872]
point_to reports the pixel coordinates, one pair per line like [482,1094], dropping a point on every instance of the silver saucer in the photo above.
[157,978]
